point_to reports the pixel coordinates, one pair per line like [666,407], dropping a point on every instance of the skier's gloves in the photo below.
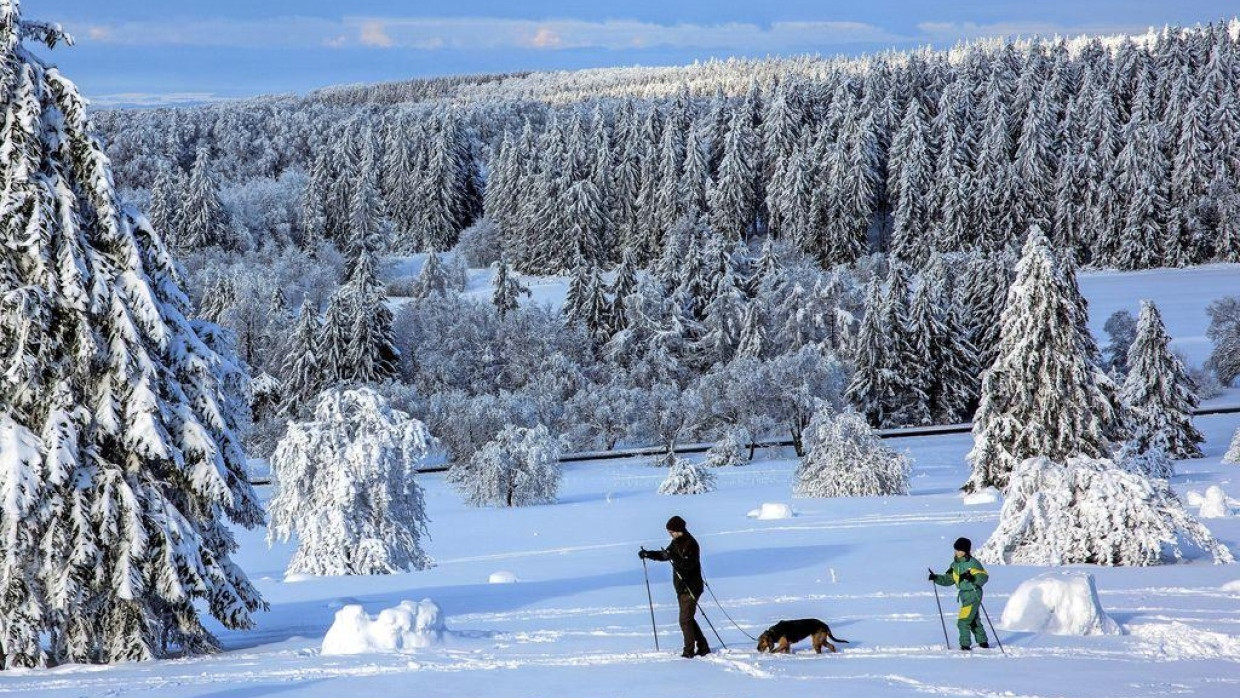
[643,554]
[932,574]
[967,575]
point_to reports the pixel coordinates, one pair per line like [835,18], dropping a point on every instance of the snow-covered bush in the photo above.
[406,626]
[1224,331]
[1150,463]
[1058,603]
[847,459]
[731,449]
[519,467]
[1215,504]
[988,495]
[344,484]
[503,577]
[686,477]
[1090,511]
[479,244]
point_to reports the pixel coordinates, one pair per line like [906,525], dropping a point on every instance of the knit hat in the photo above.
[676,524]
[964,545]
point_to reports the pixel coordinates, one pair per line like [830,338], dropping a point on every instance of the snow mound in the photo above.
[1179,641]
[1194,498]
[988,495]
[1233,587]
[1059,603]
[1215,504]
[503,577]
[770,511]
[405,627]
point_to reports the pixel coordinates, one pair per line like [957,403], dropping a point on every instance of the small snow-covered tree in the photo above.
[1233,451]
[686,477]
[1121,328]
[1224,331]
[731,449]
[1088,511]
[344,484]
[508,288]
[519,467]
[847,459]
[1157,393]
[432,279]
[1151,462]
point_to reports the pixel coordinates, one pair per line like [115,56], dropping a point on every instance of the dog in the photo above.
[781,636]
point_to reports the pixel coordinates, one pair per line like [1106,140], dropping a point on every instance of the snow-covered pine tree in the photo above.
[519,467]
[118,420]
[753,341]
[685,477]
[367,227]
[845,458]
[622,286]
[734,193]
[301,372]
[508,289]
[1157,392]
[432,279]
[371,354]
[165,209]
[333,343]
[1042,396]
[1121,328]
[869,383]
[204,220]
[1233,451]
[984,297]
[908,187]
[1091,512]
[344,484]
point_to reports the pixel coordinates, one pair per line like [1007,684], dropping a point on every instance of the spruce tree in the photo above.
[1157,393]
[118,416]
[734,193]
[1044,395]
[205,220]
[165,211]
[508,289]
[301,371]
[371,353]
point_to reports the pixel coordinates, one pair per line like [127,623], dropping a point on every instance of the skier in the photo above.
[686,559]
[968,575]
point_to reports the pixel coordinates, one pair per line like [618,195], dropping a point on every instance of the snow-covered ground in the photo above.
[576,621]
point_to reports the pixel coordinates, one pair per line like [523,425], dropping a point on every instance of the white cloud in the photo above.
[485,33]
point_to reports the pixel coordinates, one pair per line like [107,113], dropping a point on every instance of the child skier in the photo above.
[968,575]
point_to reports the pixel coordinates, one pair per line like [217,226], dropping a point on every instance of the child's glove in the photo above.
[967,575]
[932,574]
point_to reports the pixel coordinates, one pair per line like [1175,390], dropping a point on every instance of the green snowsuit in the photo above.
[969,594]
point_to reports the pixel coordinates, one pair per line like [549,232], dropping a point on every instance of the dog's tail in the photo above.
[833,637]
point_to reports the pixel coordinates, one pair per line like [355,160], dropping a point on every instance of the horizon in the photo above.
[130,56]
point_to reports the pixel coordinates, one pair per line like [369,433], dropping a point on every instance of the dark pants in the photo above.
[688,626]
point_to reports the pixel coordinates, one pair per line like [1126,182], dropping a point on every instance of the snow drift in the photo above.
[770,511]
[405,627]
[1059,603]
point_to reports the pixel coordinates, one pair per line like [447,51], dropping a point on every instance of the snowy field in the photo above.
[576,621]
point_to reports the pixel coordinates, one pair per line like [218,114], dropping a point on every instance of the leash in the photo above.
[698,607]
[992,628]
[725,611]
[650,600]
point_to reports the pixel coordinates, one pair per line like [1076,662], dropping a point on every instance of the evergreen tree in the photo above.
[205,220]
[118,415]
[908,186]
[686,477]
[367,228]
[165,210]
[508,289]
[1158,394]
[301,372]
[734,193]
[432,279]
[371,353]
[1043,396]
[1121,328]
[869,382]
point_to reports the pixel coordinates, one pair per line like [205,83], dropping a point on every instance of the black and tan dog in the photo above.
[781,636]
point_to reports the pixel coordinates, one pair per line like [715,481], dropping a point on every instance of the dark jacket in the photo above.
[686,559]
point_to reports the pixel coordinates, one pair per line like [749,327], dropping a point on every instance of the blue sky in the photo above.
[167,51]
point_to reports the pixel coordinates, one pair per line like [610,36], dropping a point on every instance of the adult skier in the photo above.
[686,558]
[968,575]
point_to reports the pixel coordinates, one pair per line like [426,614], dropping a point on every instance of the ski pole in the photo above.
[650,600]
[940,605]
[992,629]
